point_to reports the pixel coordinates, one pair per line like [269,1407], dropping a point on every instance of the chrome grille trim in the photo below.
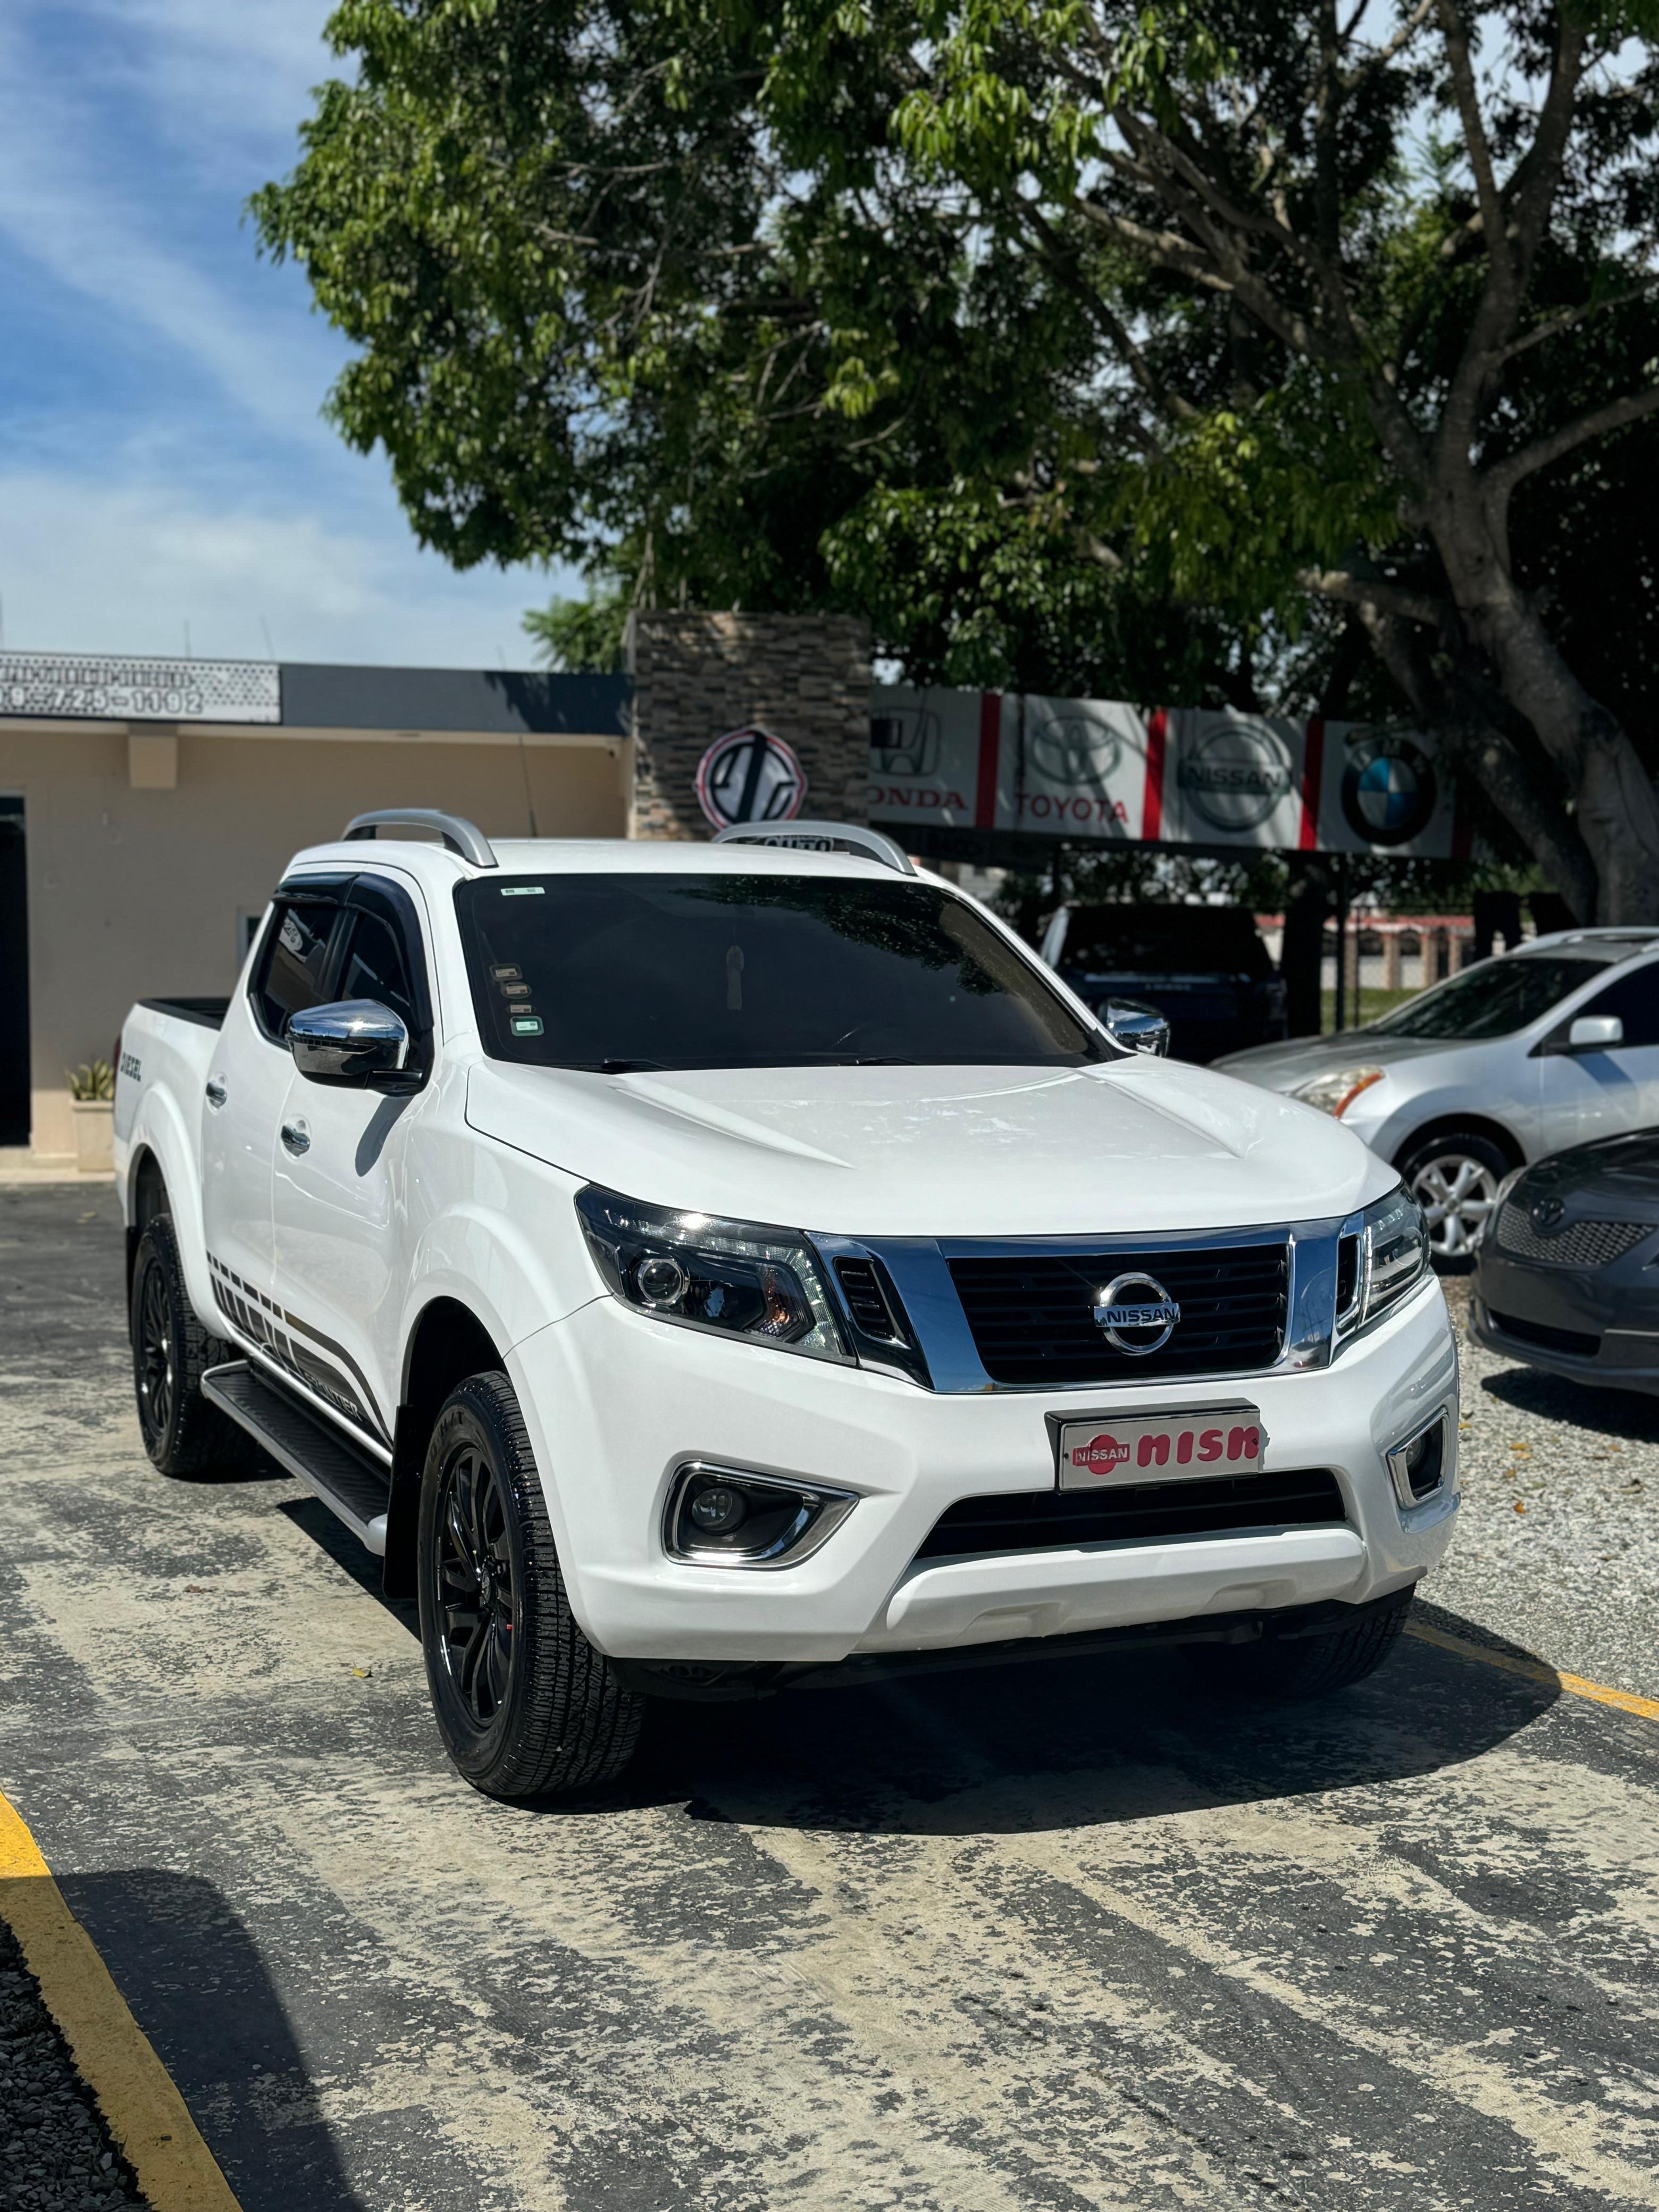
[920,1270]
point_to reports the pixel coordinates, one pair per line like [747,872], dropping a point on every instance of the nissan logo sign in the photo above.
[1136,1325]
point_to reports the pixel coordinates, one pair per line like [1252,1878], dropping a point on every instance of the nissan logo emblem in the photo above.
[1115,1309]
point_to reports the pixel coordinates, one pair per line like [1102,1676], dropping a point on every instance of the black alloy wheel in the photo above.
[478,1595]
[525,1705]
[171,1351]
[154,1364]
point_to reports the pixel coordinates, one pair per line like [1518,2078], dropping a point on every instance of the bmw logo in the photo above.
[1388,788]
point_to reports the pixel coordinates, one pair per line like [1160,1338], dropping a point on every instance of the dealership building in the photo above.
[147,807]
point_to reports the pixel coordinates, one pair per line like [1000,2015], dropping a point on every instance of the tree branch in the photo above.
[1504,476]
[1375,593]
[1468,96]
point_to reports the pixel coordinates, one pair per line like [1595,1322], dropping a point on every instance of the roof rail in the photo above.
[458,834]
[820,837]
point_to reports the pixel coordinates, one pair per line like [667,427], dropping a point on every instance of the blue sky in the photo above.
[162,459]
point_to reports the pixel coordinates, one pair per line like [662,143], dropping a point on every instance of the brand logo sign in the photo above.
[1073,750]
[750,775]
[1136,1314]
[1237,775]
[1547,1213]
[1388,788]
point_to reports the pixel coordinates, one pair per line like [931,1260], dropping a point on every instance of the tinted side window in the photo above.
[1635,1000]
[375,968]
[293,965]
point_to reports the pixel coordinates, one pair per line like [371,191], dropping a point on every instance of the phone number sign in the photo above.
[103,687]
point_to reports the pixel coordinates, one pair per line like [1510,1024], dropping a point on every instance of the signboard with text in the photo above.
[106,687]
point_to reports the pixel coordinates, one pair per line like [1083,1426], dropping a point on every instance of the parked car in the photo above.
[1204,968]
[1566,1277]
[697,1269]
[1545,1046]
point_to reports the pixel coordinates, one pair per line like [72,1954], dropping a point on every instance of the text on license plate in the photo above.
[1150,1447]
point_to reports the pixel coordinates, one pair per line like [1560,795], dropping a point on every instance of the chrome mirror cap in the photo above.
[350,1042]
[1136,1027]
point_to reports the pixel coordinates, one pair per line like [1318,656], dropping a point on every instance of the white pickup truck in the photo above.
[701,1270]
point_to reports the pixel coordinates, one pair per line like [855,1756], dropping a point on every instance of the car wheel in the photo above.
[1291,1669]
[183,1434]
[1455,1179]
[525,1705]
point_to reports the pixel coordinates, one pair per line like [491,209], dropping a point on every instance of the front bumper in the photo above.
[617,1402]
[1597,1325]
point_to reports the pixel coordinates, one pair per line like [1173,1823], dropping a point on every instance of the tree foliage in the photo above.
[1123,345]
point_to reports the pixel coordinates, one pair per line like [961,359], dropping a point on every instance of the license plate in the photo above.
[1161,1447]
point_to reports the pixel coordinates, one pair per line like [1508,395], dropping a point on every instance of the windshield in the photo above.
[641,971]
[1166,940]
[1494,1000]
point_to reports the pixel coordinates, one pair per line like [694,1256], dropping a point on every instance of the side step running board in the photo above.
[347,1482]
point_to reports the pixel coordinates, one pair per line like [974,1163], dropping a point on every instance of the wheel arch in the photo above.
[1458,1124]
[146,1188]
[447,1343]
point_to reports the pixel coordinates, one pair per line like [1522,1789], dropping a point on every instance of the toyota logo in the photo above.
[1117,1310]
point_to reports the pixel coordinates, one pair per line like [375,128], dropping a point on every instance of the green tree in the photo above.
[1088,345]
[1344,371]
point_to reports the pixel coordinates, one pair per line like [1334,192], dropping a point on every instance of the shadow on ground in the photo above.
[1592,1406]
[196,1985]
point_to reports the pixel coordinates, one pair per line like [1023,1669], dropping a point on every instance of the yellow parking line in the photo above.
[146,2115]
[1625,1700]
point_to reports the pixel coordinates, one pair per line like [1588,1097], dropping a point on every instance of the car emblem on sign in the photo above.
[1136,1323]
[1388,788]
[750,775]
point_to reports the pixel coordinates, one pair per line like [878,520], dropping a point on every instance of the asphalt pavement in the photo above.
[1062,1935]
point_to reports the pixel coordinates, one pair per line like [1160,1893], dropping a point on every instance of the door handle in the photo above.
[216,1093]
[297,1137]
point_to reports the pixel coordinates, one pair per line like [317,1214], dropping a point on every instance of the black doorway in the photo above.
[13,977]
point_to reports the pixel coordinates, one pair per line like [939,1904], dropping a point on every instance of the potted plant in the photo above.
[92,1104]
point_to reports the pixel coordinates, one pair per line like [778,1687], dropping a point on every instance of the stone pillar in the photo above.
[1391,960]
[804,678]
[1457,952]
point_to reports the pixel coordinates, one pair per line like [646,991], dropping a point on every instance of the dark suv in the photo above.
[1204,968]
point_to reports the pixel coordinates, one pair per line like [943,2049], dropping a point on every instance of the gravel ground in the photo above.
[56,2154]
[1556,1547]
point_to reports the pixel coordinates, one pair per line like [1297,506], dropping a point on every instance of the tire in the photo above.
[183,1434]
[525,1705]
[1453,1177]
[1291,1669]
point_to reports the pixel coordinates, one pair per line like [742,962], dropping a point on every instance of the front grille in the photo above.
[1058,1519]
[1572,1340]
[1033,1322]
[865,1293]
[1576,1244]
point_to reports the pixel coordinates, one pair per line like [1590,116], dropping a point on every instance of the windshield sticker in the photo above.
[524,891]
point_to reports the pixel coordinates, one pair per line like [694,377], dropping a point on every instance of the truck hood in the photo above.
[1139,1145]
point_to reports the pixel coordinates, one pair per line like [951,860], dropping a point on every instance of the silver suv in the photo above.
[1515,1058]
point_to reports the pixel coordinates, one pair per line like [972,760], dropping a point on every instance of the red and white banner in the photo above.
[1100,769]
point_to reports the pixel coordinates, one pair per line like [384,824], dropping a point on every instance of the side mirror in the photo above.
[1594,1033]
[349,1043]
[1135,1027]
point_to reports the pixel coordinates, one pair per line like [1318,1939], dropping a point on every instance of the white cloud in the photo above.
[89,568]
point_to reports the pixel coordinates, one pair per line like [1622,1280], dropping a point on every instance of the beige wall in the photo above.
[135,892]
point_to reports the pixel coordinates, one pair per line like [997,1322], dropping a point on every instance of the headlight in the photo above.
[1336,1091]
[1382,1256]
[761,1284]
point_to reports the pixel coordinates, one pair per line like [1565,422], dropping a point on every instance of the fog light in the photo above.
[718,1509]
[1417,1464]
[720,1516]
